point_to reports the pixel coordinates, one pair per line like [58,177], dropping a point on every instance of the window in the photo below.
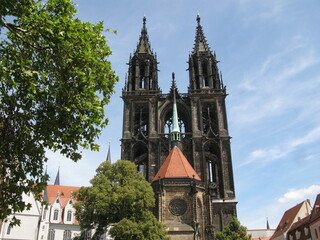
[316,233]
[51,234]
[88,235]
[55,214]
[69,215]
[67,235]
[9,230]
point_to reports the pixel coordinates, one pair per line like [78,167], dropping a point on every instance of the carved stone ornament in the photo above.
[178,206]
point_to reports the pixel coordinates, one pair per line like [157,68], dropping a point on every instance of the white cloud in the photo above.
[276,152]
[299,194]
[310,137]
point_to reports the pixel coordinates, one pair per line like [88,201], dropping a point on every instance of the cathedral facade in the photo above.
[180,141]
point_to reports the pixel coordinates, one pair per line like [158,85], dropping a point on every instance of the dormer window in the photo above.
[57,201]
[55,214]
[69,215]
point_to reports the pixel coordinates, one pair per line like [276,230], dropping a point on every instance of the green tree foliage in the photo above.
[119,196]
[233,231]
[55,80]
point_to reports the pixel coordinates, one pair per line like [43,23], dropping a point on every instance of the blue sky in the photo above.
[269,54]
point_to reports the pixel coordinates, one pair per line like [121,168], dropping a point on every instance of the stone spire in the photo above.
[109,155]
[57,180]
[175,133]
[200,44]
[144,44]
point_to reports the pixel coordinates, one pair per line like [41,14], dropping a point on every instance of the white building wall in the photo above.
[315,230]
[28,228]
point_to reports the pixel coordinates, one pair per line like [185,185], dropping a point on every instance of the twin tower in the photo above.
[180,141]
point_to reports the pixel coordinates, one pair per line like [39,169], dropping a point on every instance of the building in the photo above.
[261,234]
[314,222]
[58,218]
[55,221]
[300,230]
[291,216]
[203,146]
[28,229]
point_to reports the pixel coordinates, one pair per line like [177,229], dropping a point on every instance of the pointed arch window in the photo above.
[212,171]
[141,119]
[69,215]
[67,235]
[9,230]
[55,214]
[141,158]
[142,83]
[51,234]
[168,124]
[205,78]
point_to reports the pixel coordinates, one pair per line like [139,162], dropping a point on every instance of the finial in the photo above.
[198,18]
[144,19]
[173,83]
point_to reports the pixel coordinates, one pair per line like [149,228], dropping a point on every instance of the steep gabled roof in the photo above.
[64,193]
[288,219]
[176,166]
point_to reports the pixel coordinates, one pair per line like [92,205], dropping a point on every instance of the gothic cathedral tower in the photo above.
[204,143]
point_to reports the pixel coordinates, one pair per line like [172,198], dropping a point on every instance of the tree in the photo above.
[119,196]
[55,80]
[233,231]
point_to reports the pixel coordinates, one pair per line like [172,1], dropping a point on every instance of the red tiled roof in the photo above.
[287,220]
[300,223]
[176,166]
[63,191]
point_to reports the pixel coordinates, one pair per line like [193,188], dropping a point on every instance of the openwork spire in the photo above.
[144,44]
[200,44]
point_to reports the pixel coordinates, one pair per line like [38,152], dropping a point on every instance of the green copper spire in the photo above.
[175,133]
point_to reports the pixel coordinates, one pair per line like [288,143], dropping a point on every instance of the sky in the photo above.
[269,53]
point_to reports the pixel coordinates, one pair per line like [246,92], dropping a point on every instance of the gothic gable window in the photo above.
[141,119]
[67,235]
[182,122]
[209,118]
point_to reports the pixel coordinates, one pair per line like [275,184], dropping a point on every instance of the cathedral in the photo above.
[180,141]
